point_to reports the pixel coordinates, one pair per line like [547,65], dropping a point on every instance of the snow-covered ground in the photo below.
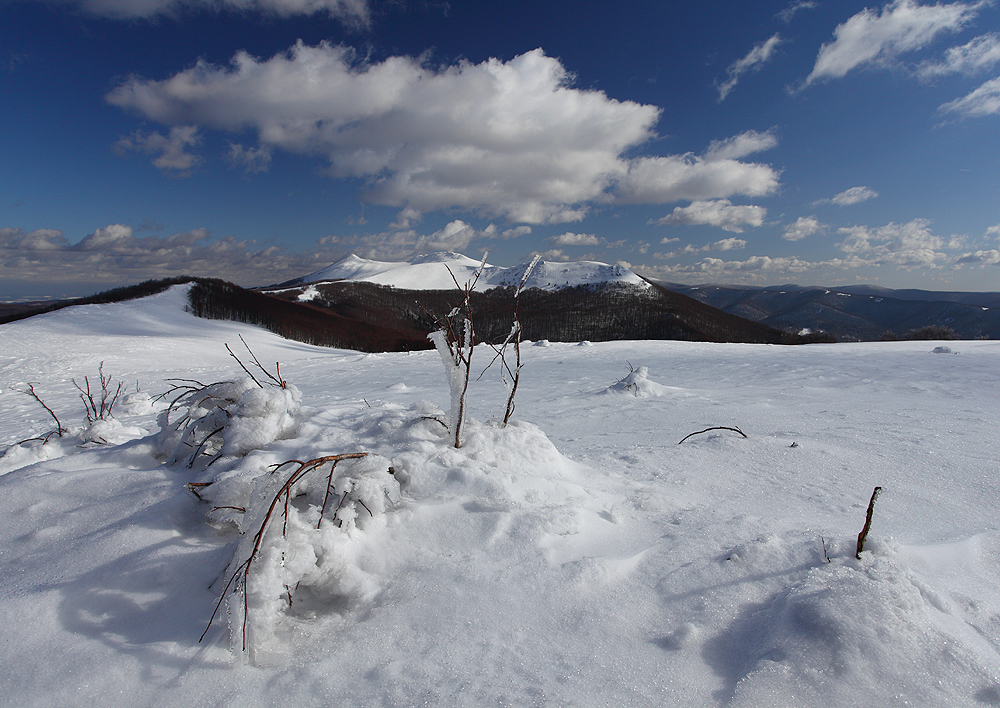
[431,272]
[578,557]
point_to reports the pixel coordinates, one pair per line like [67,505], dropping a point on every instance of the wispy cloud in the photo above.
[720,213]
[171,151]
[352,12]
[742,145]
[984,101]
[250,159]
[979,54]
[873,37]
[854,195]
[792,10]
[572,239]
[753,61]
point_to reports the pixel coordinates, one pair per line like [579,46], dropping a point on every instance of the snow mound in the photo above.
[50,446]
[638,384]
[224,419]
[843,624]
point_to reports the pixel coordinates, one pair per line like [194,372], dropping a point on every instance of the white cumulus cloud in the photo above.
[990,257]
[801,228]
[720,213]
[717,174]
[115,255]
[908,245]
[511,139]
[878,37]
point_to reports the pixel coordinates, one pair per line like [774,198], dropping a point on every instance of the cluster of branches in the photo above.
[513,339]
[99,408]
[98,404]
[206,406]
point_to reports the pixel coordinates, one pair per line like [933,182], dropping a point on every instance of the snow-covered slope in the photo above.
[431,272]
[580,557]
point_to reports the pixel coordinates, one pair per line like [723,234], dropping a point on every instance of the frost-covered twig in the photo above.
[243,570]
[715,427]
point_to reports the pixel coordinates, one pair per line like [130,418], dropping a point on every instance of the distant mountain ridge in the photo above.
[855,312]
[571,301]
[369,305]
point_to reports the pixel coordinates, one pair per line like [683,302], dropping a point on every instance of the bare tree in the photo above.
[455,340]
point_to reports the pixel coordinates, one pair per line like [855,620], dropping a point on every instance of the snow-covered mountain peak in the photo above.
[431,272]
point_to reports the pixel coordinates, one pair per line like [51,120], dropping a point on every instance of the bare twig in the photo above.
[243,366]
[276,379]
[715,427]
[868,523]
[59,429]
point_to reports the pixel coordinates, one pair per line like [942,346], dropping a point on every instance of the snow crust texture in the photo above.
[580,559]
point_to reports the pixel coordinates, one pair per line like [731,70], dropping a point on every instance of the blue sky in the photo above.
[815,142]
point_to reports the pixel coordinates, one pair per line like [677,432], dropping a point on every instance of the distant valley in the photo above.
[856,312]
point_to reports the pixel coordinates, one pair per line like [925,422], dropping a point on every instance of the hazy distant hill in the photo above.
[858,312]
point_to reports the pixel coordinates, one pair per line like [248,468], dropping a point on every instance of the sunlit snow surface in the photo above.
[579,557]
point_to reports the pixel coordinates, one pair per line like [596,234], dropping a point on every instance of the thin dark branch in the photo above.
[243,366]
[715,427]
[31,392]
[868,523]
[277,380]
